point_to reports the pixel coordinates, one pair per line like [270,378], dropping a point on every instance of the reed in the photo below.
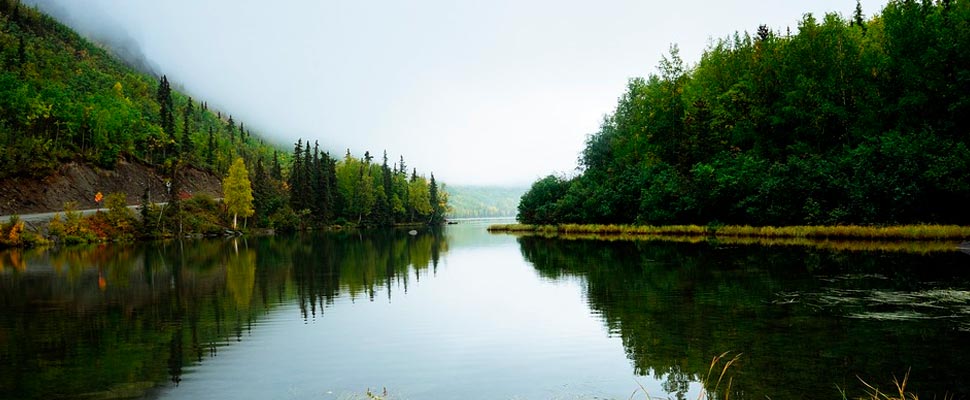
[711,386]
[899,392]
[901,232]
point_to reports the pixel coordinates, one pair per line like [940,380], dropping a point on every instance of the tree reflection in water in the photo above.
[675,305]
[108,319]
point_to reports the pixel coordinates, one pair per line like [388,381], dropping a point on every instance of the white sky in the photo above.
[478,92]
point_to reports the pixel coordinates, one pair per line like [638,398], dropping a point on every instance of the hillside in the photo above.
[483,201]
[842,121]
[74,182]
[75,121]
[72,113]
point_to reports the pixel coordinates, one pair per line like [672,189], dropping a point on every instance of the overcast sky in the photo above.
[478,92]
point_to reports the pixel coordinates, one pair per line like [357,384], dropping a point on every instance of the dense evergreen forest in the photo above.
[860,120]
[65,99]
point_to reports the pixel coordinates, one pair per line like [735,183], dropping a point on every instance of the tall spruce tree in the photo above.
[210,150]
[387,209]
[263,192]
[276,171]
[231,126]
[297,197]
[185,144]
[437,213]
[859,19]
[166,109]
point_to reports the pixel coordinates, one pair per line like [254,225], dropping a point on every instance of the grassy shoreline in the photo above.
[841,232]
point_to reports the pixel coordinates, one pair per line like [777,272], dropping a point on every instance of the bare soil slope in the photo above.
[79,182]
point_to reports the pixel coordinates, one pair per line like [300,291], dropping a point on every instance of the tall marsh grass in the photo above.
[904,238]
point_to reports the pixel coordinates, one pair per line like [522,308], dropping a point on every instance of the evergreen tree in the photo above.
[186,146]
[210,150]
[763,33]
[231,126]
[298,200]
[322,192]
[266,198]
[315,187]
[166,109]
[276,171]
[858,18]
[437,213]
[386,204]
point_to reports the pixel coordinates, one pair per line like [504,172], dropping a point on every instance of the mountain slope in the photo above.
[65,100]
[483,201]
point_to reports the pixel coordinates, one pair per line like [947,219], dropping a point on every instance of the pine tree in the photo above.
[315,178]
[858,18]
[763,33]
[297,200]
[437,214]
[387,211]
[186,144]
[210,151]
[262,190]
[231,125]
[166,112]
[276,171]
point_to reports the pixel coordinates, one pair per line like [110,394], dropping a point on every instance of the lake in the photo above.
[460,313]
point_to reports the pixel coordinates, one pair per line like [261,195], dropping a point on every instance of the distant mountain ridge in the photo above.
[468,201]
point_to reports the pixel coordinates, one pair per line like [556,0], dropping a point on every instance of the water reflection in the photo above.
[502,317]
[785,309]
[95,321]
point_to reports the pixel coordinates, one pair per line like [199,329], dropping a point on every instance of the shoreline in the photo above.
[838,232]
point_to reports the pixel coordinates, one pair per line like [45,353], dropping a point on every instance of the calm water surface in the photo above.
[459,313]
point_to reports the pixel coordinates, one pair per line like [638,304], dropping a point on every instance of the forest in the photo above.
[839,121]
[66,99]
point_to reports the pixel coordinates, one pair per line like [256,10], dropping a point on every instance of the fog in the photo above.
[497,92]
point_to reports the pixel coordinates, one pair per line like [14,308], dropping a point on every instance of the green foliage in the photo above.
[843,122]
[237,192]
[359,191]
[540,204]
[63,98]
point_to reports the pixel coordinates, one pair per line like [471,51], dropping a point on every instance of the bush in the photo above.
[285,220]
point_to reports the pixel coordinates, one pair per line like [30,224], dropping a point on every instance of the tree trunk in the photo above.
[234,220]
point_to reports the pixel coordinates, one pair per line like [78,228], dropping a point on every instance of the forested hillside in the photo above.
[483,201]
[860,120]
[64,99]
